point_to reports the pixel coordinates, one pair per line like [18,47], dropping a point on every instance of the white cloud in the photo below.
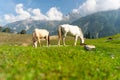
[91,6]
[36,14]
[21,14]
[54,14]
[9,18]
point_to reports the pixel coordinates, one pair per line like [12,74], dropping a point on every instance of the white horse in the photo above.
[72,30]
[39,34]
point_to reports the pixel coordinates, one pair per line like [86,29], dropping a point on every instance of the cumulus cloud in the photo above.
[9,18]
[54,14]
[21,14]
[91,6]
[36,14]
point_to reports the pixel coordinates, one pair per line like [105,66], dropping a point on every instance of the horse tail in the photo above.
[59,34]
[48,39]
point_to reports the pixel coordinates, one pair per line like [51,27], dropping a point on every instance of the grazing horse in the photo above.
[72,30]
[39,34]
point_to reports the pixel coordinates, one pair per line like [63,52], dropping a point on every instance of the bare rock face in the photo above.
[89,47]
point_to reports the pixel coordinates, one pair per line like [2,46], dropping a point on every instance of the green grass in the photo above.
[19,62]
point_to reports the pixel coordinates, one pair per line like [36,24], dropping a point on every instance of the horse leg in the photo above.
[59,41]
[39,41]
[64,39]
[46,41]
[76,37]
[82,40]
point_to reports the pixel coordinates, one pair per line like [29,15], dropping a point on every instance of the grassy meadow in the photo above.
[20,61]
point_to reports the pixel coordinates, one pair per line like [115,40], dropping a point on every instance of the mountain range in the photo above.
[96,25]
[29,25]
[100,24]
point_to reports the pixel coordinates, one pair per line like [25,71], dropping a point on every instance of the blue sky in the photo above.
[65,6]
[15,10]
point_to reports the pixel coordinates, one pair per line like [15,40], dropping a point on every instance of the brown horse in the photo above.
[39,34]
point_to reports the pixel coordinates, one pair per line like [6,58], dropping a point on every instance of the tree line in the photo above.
[8,30]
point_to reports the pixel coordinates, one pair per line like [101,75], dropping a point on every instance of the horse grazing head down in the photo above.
[39,34]
[72,30]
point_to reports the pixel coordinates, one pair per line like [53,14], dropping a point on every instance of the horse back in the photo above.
[71,29]
[41,33]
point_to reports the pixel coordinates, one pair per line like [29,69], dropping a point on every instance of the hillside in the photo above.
[59,62]
[100,24]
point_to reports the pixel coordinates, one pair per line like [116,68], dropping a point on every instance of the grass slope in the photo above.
[60,63]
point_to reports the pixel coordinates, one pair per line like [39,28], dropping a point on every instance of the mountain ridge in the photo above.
[96,25]
[100,24]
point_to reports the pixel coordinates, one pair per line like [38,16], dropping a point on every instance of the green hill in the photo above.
[19,62]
